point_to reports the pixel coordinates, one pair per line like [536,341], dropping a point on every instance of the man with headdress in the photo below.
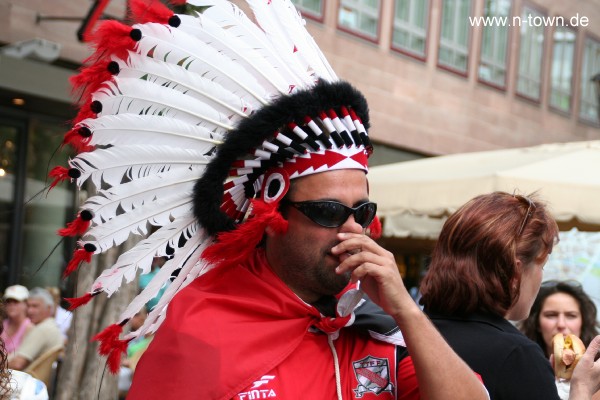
[263,206]
[279,319]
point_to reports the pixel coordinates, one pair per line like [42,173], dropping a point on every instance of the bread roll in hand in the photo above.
[568,349]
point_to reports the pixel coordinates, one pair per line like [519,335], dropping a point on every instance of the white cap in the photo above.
[16,292]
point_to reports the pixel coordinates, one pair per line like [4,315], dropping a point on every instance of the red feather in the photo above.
[76,227]
[111,37]
[241,242]
[78,142]
[155,11]
[84,113]
[79,256]
[59,174]
[108,338]
[375,230]
[119,348]
[90,79]
[75,302]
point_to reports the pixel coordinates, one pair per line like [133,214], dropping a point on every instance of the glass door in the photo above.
[13,140]
[44,254]
[31,253]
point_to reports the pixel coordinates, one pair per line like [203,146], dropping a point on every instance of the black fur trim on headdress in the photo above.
[261,125]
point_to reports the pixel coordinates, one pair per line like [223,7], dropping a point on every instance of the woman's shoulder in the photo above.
[25,386]
[494,334]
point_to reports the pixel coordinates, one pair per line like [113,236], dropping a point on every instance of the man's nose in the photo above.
[351,226]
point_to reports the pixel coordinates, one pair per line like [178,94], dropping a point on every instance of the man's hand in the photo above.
[376,269]
[380,279]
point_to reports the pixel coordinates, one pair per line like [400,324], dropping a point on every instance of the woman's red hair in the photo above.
[473,266]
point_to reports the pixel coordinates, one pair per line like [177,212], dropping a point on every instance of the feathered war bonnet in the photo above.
[190,128]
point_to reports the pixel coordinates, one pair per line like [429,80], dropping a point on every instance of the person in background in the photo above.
[145,279]
[135,349]
[4,371]
[17,385]
[486,269]
[44,335]
[16,324]
[63,317]
[561,307]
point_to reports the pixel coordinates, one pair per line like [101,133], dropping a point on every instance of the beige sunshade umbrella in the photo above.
[414,196]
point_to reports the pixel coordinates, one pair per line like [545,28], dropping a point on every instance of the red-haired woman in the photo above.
[486,269]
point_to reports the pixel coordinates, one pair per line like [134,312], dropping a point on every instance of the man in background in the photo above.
[63,317]
[44,335]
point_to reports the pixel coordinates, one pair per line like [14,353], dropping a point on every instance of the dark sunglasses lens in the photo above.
[365,214]
[327,214]
[332,215]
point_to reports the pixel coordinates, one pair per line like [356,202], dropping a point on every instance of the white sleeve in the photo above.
[26,387]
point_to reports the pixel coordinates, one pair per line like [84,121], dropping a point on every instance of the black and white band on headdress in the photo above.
[294,133]
[182,117]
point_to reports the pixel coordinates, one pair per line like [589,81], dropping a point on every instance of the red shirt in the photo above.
[367,370]
[239,332]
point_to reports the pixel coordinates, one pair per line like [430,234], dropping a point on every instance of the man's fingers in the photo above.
[354,244]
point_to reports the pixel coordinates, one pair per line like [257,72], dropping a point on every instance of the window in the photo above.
[360,16]
[10,133]
[44,215]
[410,26]
[563,51]
[454,46]
[494,43]
[530,55]
[312,7]
[28,231]
[588,108]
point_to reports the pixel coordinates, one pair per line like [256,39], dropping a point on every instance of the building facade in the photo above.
[39,52]
[441,77]
[439,81]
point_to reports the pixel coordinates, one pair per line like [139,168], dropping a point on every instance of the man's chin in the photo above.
[340,282]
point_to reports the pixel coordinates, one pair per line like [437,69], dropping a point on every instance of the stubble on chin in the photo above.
[332,282]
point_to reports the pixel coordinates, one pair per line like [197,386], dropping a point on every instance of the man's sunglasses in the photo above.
[333,214]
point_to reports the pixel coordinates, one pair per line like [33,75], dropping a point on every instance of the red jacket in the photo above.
[240,333]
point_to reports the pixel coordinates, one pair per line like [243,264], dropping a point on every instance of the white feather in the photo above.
[156,213]
[229,17]
[134,194]
[128,129]
[137,96]
[191,268]
[283,24]
[140,256]
[177,47]
[247,55]
[113,165]
[165,273]
[185,81]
